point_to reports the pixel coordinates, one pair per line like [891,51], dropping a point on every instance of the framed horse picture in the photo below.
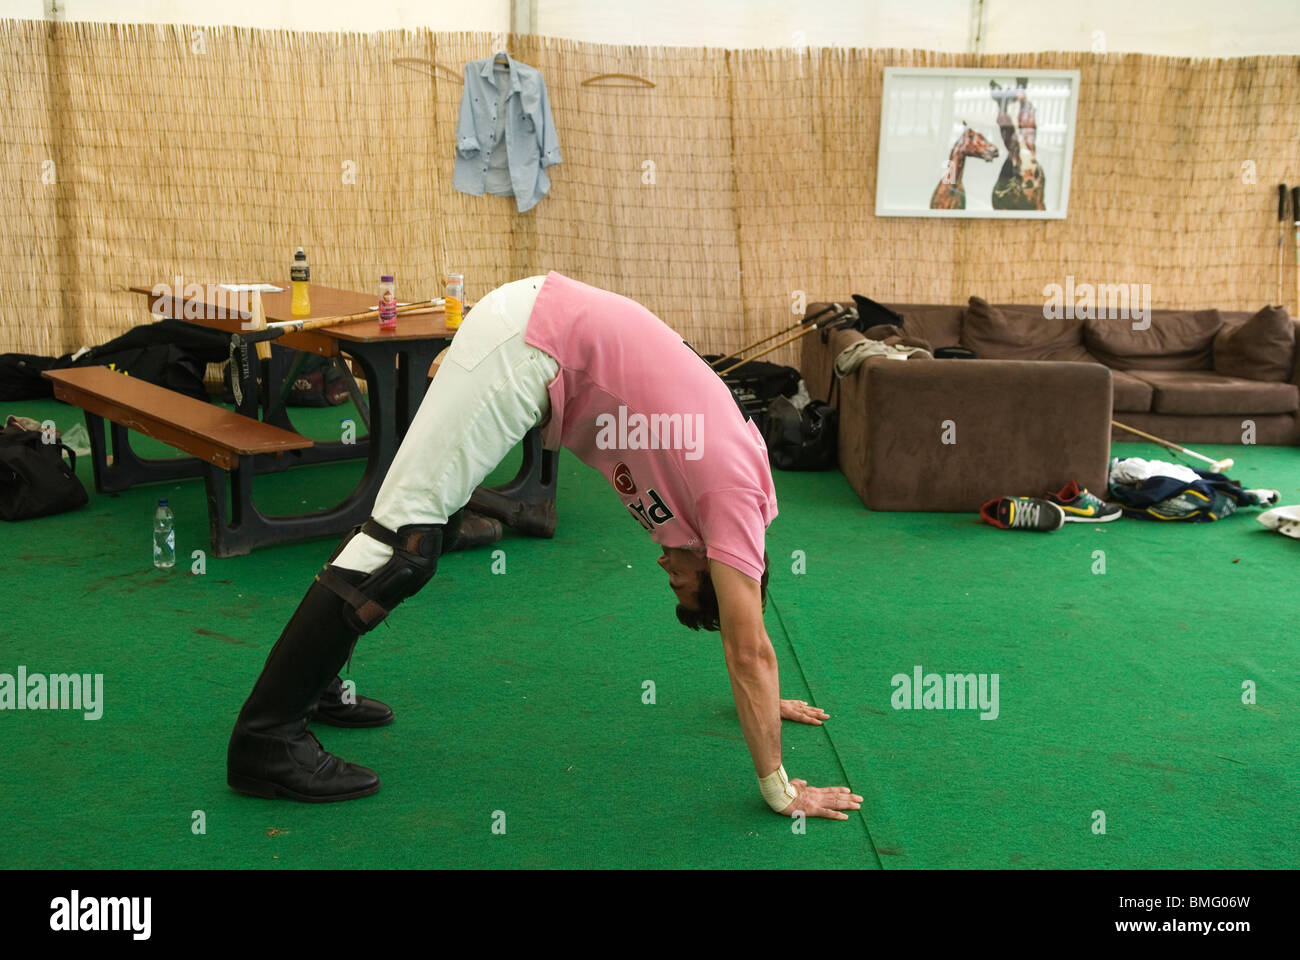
[976,142]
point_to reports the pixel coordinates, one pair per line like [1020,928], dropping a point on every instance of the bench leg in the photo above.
[235,526]
[98,454]
[219,528]
[128,468]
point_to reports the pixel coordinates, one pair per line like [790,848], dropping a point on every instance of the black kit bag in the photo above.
[20,377]
[35,480]
[872,314]
[801,439]
[756,384]
[170,353]
[165,365]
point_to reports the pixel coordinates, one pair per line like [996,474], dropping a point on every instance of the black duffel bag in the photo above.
[319,382]
[801,439]
[169,353]
[35,480]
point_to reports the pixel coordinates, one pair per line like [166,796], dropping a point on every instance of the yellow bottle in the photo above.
[455,300]
[300,274]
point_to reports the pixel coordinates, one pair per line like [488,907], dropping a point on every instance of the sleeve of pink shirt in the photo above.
[733,529]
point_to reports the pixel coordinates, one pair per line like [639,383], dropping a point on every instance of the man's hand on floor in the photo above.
[800,712]
[828,802]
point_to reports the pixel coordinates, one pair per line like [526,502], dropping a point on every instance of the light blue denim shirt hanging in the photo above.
[505,111]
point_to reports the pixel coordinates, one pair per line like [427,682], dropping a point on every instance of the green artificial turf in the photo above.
[523,692]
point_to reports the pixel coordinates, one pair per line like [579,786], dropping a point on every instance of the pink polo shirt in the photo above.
[633,401]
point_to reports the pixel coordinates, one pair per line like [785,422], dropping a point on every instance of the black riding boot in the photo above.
[272,753]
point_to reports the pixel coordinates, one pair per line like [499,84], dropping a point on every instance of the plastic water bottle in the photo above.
[164,537]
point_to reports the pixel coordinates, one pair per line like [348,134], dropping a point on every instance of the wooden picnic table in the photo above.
[396,367]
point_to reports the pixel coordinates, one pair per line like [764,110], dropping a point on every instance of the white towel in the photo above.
[1133,470]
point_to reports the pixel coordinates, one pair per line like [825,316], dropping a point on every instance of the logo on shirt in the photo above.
[623,481]
[653,514]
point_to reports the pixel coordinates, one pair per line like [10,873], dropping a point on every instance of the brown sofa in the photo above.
[1034,411]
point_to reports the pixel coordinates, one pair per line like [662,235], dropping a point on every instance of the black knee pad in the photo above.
[416,548]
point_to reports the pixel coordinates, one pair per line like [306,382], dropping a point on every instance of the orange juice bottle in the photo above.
[300,274]
[455,297]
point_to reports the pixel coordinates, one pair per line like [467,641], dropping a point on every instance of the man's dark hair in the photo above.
[707,616]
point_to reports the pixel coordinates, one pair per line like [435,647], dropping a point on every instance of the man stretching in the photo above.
[612,383]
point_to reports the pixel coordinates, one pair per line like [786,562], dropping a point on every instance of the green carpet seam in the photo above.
[862,814]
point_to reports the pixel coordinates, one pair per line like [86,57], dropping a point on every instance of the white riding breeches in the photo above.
[491,389]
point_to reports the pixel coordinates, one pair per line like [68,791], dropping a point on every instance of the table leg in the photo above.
[354,391]
[281,370]
[378,364]
[237,526]
[413,380]
[527,502]
[281,383]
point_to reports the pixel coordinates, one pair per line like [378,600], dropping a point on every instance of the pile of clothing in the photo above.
[880,341]
[1144,489]
[1156,490]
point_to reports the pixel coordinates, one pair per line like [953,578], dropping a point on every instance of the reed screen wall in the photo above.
[134,154]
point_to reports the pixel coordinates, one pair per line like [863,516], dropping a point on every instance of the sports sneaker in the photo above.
[1080,506]
[1263,497]
[1023,513]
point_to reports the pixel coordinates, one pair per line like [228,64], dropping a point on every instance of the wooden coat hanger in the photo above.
[428,66]
[638,82]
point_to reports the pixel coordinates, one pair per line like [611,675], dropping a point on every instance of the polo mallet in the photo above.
[833,308]
[270,331]
[844,315]
[1295,212]
[1281,235]
[1218,466]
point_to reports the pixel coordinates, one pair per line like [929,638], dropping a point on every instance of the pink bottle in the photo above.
[387,304]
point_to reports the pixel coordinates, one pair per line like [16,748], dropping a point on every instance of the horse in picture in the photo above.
[1020,184]
[950,194]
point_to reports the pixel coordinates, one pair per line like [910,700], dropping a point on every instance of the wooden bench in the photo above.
[219,442]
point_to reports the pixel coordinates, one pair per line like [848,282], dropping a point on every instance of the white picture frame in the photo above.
[938,123]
